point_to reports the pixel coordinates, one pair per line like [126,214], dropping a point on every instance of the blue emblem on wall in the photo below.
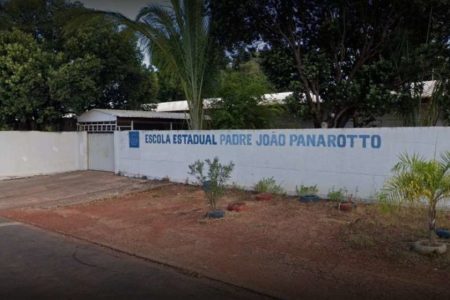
[133,137]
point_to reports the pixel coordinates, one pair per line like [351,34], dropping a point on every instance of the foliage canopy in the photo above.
[342,58]
[50,68]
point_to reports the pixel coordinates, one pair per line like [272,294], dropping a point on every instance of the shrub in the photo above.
[385,204]
[337,195]
[305,190]
[417,179]
[214,181]
[268,185]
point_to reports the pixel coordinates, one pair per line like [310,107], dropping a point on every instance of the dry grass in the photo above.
[390,233]
[381,230]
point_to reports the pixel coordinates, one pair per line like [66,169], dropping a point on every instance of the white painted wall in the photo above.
[362,171]
[27,153]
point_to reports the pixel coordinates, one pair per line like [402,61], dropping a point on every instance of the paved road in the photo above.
[35,264]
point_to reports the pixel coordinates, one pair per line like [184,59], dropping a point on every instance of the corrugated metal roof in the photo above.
[141,114]
[277,98]
[268,99]
[181,105]
[172,106]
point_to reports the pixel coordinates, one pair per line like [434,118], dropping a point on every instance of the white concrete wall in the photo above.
[361,170]
[27,153]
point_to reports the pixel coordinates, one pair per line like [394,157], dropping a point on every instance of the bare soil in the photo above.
[281,247]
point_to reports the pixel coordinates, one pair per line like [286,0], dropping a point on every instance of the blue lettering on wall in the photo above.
[157,139]
[341,141]
[375,141]
[361,141]
[236,139]
[335,141]
[271,140]
[188,139]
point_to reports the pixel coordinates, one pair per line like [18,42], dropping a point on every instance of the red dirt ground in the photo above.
[282,247]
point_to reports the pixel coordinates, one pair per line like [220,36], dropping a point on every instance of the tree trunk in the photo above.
[432,223]
[195,115]
[343,120]
[343,117]
[317,122]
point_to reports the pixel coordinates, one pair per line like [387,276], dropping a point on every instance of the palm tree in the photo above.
[418,179]
[177,39]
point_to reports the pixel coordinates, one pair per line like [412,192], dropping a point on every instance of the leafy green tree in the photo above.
[179,43]
[111,65]
[43,19]
[429,61]
[74,84]
[94,64]
[337,51]
[24,71]
[241,96]
[169,88]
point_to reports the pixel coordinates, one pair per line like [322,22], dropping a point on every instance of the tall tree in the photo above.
[43,19]
[339,50]
[169,87]
[98,51]
[94,64]
[421,53]
[241,95]
[24,96]
[177,37]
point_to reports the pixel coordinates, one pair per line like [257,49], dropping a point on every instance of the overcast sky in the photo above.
[130,8]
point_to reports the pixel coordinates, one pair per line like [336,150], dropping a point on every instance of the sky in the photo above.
[130,8]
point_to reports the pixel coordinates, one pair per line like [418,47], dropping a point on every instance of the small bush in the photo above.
[337,195]
[268,185]
[215,179]
[305,190]
[385,204]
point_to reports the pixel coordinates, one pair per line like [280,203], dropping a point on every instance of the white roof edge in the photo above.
[182,105]
[88,116]
[273,98]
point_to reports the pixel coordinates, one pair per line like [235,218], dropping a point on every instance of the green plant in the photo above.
[268,185]
[337,195]
[385,205]
[304,190]
[238,187]
[178,38]
[417,179]
[214,180]
[241,95]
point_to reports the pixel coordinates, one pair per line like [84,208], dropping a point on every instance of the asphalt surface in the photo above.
[35,264]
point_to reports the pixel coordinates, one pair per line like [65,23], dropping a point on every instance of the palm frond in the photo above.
[416,178]
[177,39]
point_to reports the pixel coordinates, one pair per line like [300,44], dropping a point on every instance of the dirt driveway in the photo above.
[283,248]
[66,188]
[37,264]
